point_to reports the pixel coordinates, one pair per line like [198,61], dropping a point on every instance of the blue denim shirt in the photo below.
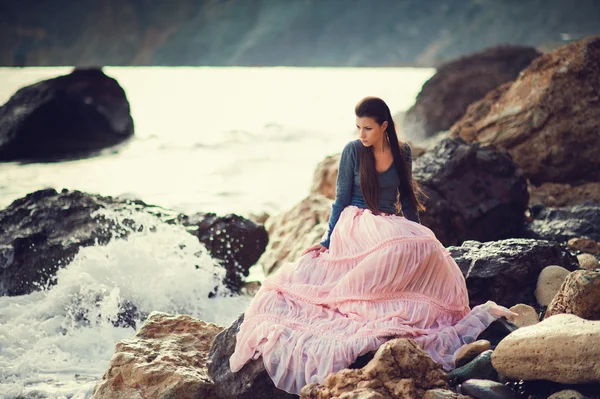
[348,187]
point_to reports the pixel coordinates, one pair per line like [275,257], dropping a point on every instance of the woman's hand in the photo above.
[317,247]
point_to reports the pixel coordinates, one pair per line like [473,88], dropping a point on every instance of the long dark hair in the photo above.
[377,109]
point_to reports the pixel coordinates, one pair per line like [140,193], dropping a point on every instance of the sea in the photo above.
[226,140]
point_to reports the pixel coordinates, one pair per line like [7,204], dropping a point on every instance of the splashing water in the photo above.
[61,340]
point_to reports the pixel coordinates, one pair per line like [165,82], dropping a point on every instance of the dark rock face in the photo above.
[238,242]
[44,231]
[506,271]
[562,224]
[445,97]
[70,116]
[475,193]
[480,367]
[252,381]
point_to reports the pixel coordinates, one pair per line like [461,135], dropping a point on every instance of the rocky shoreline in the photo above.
[524,251]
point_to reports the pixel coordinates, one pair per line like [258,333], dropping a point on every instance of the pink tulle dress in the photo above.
[383,277]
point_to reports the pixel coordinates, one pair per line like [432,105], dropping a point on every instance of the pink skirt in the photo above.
[383,277]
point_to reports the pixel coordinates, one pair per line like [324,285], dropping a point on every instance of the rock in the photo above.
[37,394]
[546,118]
[578,295]
[480,367]
[562,224]
[471,351]
[291,232]
[445,97]
[562,348]
[485,389]
[566,394]
[70,116]
[527,316]
[236,241]
[549,282]
[586,245]
[166,358]
[400,369]
[506,271]
[588,262]
[443,394]
[497,331]
[564,194]
[251,382]
[325,177]
[475,193]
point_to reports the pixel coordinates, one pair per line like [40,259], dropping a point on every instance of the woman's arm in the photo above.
[409,210]
[343,194]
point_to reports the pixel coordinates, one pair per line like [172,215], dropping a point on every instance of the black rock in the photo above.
[497,331]
[562,224]
[475,192]
[251,382]
[70,116]
[485,389]
[506,271]
[480,367]
[236,241]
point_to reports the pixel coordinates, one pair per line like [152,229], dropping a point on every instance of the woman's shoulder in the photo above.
[352,147]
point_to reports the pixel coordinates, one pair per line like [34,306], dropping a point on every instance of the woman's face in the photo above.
[369,131]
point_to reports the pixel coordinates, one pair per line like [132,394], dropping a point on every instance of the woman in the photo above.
[375,276]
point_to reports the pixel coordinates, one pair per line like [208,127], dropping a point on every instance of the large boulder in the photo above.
[165,359]
[400,369]
[70,116]
[579,295]
[44,230]
[507,271]
[564,194]
[564,224]
[251,382]
[291,232]
[445,97]
[546,119]
[475,192]
[562,348]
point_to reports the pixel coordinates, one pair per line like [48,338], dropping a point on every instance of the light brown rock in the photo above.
[325,176]
[471,351]
[562,348]
[400,369]
[579,295]
[291,232]
[566,394]
[564,194]
[527,316]
[166,358]
[549,282]
[547,118]
[588,262]
[586,245]
[443,394]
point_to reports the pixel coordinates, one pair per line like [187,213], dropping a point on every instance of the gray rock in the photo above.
[562,224]
[485,389]
[479,368]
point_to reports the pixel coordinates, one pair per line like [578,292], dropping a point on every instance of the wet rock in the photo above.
[497,331]
[445,97]
[527,315]
[400,369]
[480,367]
[471,351]
[475,193]
[251,382]
[586,245]
[546,119]
[549,282]
[166,358]
[562,348]
[563,224]
[443,394]
[237,242]
[564,194]
[70,116]
[485,389]
[506,271]
[578,295]
[291,232]
[588,262]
